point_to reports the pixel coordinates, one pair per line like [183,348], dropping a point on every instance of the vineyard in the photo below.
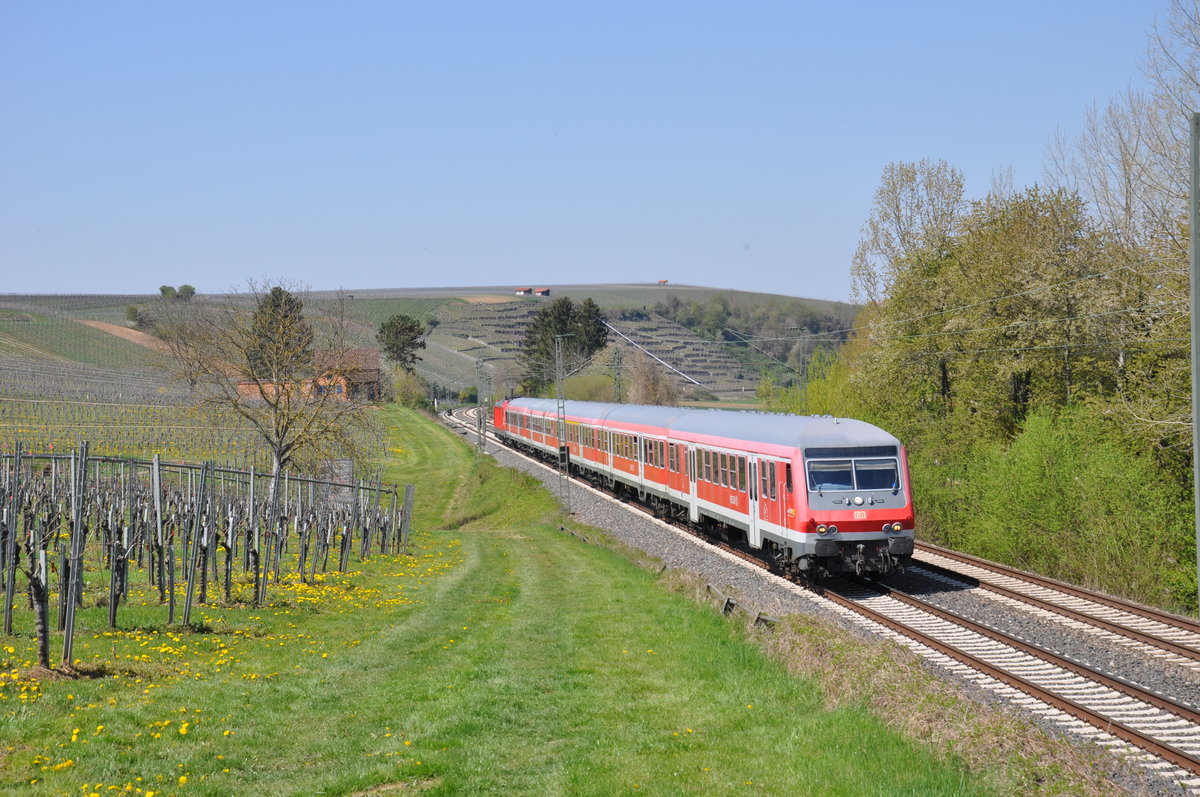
[195,534]
[115,429]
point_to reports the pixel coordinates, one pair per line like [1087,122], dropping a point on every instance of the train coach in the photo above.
[816,494]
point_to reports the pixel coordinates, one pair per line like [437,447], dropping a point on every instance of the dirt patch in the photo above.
[406,787]
[489,299]
[66,672]
[131,335]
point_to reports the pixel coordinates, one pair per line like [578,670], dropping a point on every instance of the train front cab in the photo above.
[857,502]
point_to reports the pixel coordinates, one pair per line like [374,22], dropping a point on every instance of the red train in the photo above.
[818,494]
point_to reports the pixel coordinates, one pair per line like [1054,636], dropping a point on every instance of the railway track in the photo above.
[1169,636]
[1156,730]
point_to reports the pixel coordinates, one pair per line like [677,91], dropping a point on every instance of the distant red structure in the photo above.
[355,374]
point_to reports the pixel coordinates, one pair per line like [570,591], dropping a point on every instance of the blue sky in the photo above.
[397,144]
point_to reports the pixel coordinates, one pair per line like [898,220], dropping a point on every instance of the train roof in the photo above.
[803,431]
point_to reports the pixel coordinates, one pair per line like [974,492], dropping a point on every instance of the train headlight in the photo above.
[858,499]
[832,529]
[897,528]
[821,529]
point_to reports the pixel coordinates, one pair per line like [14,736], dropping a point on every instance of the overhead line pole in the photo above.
[1194,268]
[564,451]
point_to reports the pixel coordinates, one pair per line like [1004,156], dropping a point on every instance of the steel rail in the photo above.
[1098,622]
[1147,612]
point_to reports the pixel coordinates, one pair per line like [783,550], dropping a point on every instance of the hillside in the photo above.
[473,328]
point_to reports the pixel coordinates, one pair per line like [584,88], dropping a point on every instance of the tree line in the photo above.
[1031,347]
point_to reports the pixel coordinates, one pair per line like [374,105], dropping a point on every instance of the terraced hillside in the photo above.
[492,333]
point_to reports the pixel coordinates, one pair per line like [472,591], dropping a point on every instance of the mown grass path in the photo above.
[504,657]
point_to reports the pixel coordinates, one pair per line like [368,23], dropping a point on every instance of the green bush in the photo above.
[1066,499]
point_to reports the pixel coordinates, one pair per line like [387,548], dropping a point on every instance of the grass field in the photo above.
[502,657]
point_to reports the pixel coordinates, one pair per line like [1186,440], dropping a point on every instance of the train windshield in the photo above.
[876,474]
[831,475]
[853,474]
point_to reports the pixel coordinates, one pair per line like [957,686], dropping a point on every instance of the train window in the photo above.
[787,479]
[830,474]
[771,483]
[876,474]
[762,478]
[741,474]
[724,470]
[707,466]
[672,459]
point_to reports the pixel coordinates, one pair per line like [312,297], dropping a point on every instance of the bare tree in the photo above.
[1121,163]
[1130,162]
[289,375]
[650,383]
[917,207]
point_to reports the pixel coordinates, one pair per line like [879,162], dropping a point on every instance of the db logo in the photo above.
[860,514]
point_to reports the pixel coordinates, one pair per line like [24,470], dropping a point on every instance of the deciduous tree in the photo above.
[650,383]
[917,207]
[260,356]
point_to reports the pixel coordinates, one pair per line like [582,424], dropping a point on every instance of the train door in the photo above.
[753,535]
[770,497]
[690,465]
